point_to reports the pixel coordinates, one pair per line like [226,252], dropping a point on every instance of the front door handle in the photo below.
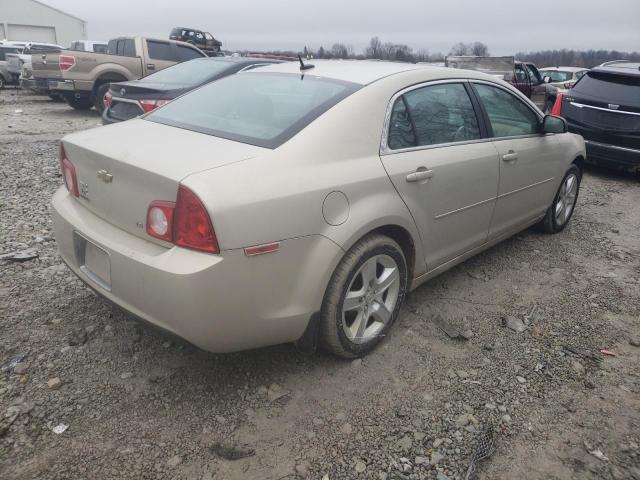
[511,156]
[422,173]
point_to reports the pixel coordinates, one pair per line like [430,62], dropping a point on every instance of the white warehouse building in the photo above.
[34,21]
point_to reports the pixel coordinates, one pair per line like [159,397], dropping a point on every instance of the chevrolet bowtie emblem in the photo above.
[105,176]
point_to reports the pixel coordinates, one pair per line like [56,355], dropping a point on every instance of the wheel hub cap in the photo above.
[566,199]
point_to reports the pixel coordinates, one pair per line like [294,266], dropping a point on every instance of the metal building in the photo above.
[31,20]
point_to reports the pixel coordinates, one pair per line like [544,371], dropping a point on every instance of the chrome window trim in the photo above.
[610,110]
[384,146]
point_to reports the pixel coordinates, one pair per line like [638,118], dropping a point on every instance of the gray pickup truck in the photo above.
[83,78]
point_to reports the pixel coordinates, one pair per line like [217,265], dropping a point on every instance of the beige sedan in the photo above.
[286,204]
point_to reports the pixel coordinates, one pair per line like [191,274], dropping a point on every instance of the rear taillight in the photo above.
[557,106]
[185,223]
[65,62]
[160,220]
[108,99]
[151,104]
[68,173]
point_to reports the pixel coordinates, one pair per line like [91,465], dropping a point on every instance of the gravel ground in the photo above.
[536,309]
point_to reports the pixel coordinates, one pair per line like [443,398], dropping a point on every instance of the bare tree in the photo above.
[374,50]
[339,50]
[479,49]
[460,48]
[321,52]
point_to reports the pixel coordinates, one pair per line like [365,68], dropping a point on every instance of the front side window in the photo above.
[160,50]
[534,75]
[186,53]
[432,115]
[508,115]
[263,109]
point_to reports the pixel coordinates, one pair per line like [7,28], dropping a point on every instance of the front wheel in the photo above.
[80,103]
[561,210]
[364,296]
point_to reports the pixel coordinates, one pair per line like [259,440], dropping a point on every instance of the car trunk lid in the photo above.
[122,168]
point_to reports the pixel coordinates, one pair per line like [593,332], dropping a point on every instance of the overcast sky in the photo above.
[507,26]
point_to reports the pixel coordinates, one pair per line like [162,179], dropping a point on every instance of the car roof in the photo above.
[566,69]
[622,68]
[364,72]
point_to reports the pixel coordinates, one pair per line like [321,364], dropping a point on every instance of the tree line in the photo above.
[378,49]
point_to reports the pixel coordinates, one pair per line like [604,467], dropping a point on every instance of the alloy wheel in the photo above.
[566,199]
[371,298]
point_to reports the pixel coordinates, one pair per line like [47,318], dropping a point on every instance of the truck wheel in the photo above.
[56,98]
[2,82]
[81,103]
[101,91]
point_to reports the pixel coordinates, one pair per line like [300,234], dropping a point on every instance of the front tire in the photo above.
[564,203]
[80,103]
[364,297]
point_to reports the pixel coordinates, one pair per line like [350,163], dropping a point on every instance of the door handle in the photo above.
[422,173]
[511,156]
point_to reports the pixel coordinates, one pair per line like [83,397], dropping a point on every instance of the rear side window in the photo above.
[161,50]
[186,53]
[609,88]
[263,109]
[99,48]
[433,115]
[509,116]
[112,47]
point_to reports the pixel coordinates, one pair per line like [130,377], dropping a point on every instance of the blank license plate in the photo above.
[94,262]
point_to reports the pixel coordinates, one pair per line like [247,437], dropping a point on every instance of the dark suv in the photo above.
[604,107]
[203,40]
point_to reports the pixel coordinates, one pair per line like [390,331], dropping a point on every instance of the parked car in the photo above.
[5,75]
[126,100]
[522,75]
[563,78]
[203,40]
[604,107]
[284,204]
[89,46]
[83,78]
[19,63]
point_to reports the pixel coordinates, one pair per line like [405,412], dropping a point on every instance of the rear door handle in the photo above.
[422,173]
[510,157]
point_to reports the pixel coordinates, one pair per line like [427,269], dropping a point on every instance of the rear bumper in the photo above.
[62,86]
[220,303]
[613,155]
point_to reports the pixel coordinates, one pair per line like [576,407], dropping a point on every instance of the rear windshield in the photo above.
[611,88]
[557,75]
[263,109]
[193,72]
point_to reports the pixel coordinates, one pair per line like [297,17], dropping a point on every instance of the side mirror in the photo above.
[553,124]
[546,79]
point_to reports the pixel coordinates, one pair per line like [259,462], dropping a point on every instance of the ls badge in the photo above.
[105,176]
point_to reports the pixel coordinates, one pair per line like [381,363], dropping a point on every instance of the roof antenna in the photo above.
[303,66]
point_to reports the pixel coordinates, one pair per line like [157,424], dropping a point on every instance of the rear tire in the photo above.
[372,280]
[99,96]
[564,202]
[81,103]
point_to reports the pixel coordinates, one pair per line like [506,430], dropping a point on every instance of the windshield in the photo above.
[557,75]
[263,109]
[192,72]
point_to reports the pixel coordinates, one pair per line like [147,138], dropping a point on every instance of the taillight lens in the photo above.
[557,106]
[148,104]
[108,100]
[185,223]
[192,227]
[160,220]
[65,62]
[68,173]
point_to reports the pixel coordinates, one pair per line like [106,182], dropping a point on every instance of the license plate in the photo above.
[94,261]
[55,85]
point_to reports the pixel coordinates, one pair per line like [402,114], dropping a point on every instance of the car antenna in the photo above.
[303,66]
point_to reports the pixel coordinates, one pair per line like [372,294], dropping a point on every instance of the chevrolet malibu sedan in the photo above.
[289,204]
